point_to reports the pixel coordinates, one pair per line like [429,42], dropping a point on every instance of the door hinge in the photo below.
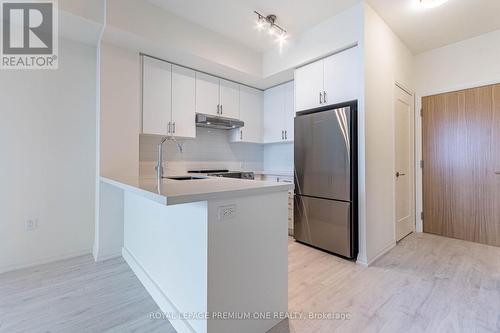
[422,216]
[421,164]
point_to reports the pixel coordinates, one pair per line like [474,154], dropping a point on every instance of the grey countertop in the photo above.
[172,192]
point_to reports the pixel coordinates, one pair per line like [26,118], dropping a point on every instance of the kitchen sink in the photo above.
[186,178]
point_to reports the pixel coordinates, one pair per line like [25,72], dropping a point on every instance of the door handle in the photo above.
[320,95]
[286,135]
[218,108]
[282,135]
[169,129]
[324,96]
[398,174]
[221,109]
[173,127]
[241,135]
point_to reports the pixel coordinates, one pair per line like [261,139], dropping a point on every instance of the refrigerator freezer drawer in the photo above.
[323,223]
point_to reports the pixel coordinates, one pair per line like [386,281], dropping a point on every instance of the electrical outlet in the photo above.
[31,224]
[227,212]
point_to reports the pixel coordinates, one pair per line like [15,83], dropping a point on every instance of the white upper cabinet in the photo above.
[251,112]
[289,111]
[333,80]
[216,96]
[157,96]
[229,99]
[342,77]
[279,113]
[273,114]
[309,85]
[207,94]
[183,102]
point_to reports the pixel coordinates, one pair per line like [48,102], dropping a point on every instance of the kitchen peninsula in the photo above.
[208,246]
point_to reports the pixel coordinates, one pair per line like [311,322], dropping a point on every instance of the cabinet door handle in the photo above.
[286,135]
[324,96]
[241,135]
[169,129]
[221,109]
[282,135]
[320,95]
[173,127]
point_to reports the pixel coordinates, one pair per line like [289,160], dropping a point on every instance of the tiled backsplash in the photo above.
[210,149]
[278,157]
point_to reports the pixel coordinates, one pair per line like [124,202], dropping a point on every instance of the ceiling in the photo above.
[426,29]
[420,29]
[235,18]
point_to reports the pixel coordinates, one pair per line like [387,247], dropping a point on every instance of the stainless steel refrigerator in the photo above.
[326,200]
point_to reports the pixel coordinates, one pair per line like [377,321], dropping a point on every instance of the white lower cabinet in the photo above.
[284,179]
[279,113]
[251,107]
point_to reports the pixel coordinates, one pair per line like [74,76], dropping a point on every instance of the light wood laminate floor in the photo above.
[425,284]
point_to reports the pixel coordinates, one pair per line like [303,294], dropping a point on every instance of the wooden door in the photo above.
[461,189]
[404,167]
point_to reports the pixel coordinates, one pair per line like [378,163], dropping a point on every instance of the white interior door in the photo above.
[183,102]
[229,99]
[273,114]
[157,96]
[308,86]
[207,94]
[404,167]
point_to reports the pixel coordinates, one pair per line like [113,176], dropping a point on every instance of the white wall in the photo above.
[327,37]
[387,61]
[144,27]
[120,112]
[470,63]
[47,160]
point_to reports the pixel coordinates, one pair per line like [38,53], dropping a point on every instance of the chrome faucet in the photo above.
[159,162]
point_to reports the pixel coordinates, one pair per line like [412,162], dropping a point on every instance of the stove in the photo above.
[225,173]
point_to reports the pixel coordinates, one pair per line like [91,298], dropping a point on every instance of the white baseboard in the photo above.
[103,255]
[47,260]
[163,302]
[381,253]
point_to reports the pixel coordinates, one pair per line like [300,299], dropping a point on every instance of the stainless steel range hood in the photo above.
[206,120]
